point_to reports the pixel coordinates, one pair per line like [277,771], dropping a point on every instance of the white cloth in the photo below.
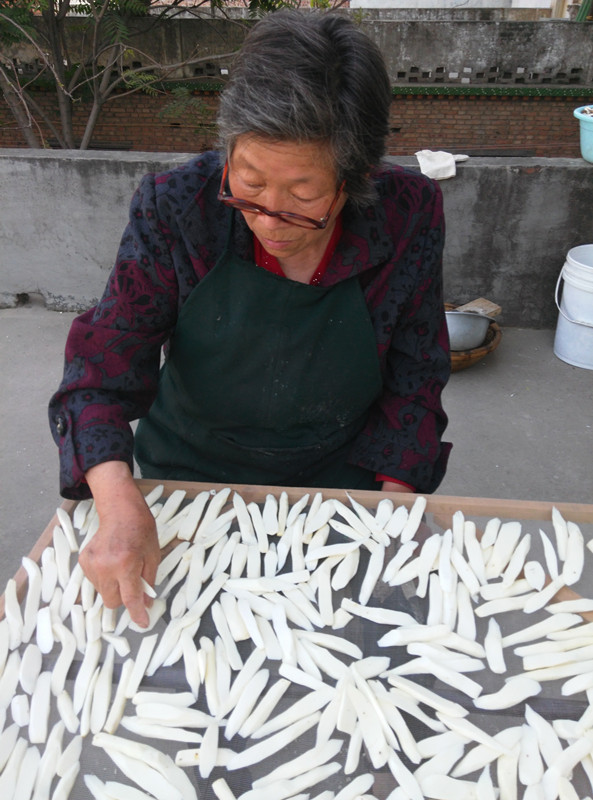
[438,164]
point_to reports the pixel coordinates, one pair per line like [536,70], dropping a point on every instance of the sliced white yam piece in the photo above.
[548,626]
[166,645]
[93,620]
[67,528]
[30,668]
[179,573]
[87,594]
[226,553]
[531,767]
[352,519]
[271,646]
[193,516]
[428,560]
[442,787]
[62,553]
[191,757]
[64,660]
[467,728]
[119,643]
[244,520]
[424,695]
[66,711]
[122,791]
[324,592]
[561,533]
[47,766]
[196,611]
[289,789]
[311,759]
[405,635]
[8,739]
[502,605]
[555,655]
[404,777]
[560,671]
[27,774]
[414,519]
[466,621]
[301,709]
[396,523]
[180,699]
[77,624]
[70,756]
[339,549]
[11,771]
[504,546]
[435,601]
[171,506]
[506,775]
[249,621]
[424,665]
[308,615]
[80,513]
[33,598]
[535,575]
[246,703]
[541,599]
[258,527]
[9,680]
[298,676]
[265,707]
[144,775]
[173,716]
[406,703]
[432,745]
[454,641]
[547,738]
[85,712]
[271,562]
[253,569]
[49,573]
[337,643]
[515,691]
[219,619]
[222,791]
[458,529]
[270,515]
[442,762]
[384,512]
[490,533]
[328,663]
[465,572]
[579,683]
[282,512]
[19,708]
[88,666]
[71,591]
[140,664]
[177,779]
[40,707]
[4,644]
[102,693]
[341,619]
[447,577]
[271,746]
[575,555]
[368,520]
[223,674]
[550,556]
[169,562]
[191,661]
[494,649]
[517,560]
[243,680]
[399,562]
[485,787]
[239,560]
[579,606]
[372,574]
[208,750]
[345,570]
[476,555]
[479,756]
[566,790]
[210,677]
[382,616]
[152,730]
[13,615]
[455,661]
[96,787]
[353,754]
[495,590]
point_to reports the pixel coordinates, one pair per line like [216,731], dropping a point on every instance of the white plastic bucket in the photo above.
[574,332]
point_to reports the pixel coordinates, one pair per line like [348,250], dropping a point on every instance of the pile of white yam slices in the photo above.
[284,593]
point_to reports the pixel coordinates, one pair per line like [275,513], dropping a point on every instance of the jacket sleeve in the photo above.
[402,438]
[113,351]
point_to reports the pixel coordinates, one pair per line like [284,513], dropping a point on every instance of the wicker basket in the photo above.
[461,359]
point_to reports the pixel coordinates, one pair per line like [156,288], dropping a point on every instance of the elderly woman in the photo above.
[296,284]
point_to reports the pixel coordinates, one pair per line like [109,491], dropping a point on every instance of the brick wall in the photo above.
[478,125]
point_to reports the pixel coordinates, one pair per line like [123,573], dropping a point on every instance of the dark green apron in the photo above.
[267,381]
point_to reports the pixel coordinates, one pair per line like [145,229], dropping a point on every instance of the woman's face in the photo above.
[285,176]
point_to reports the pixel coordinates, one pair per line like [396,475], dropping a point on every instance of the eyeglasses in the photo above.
[286,216]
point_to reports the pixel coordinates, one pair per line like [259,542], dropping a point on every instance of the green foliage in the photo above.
[185,107]
[141,81]
[14,16]
[259,8]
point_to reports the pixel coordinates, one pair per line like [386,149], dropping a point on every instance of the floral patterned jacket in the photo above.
[176,232]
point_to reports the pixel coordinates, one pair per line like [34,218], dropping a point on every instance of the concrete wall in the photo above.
[417,49]
[510,223]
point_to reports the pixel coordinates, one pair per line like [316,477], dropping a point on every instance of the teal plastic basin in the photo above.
[586,126]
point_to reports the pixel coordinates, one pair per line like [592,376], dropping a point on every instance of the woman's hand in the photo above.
[125,548]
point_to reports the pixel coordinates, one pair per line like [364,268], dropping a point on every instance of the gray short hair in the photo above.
[307,76]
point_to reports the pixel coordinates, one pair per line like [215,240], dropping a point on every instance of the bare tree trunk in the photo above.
[17,106]
[57,59]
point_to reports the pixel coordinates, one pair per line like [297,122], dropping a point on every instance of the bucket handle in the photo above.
[564,314]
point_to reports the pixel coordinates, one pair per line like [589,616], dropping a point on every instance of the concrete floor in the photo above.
[521,422]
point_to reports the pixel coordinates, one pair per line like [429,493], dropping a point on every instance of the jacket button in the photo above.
[61,425]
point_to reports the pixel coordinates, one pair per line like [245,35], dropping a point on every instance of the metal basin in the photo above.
[467,330]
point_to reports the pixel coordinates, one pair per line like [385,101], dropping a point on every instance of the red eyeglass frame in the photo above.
[288,216]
